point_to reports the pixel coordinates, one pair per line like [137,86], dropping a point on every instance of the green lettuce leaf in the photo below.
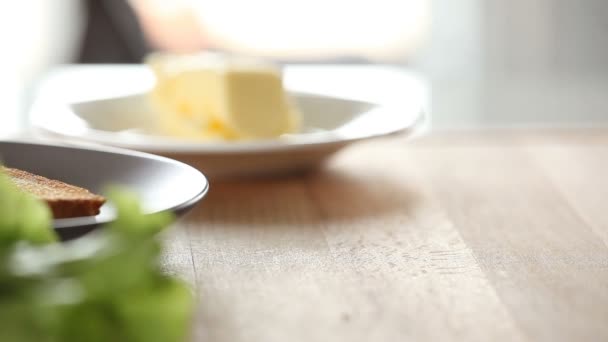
[22,217]
[106,286]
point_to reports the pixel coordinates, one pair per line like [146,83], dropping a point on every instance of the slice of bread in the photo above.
[63,199]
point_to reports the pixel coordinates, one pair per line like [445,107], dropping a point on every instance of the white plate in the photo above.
[108,105]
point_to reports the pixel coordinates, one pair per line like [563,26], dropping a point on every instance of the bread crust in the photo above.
[63,199]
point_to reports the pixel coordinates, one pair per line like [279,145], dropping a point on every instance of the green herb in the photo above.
[22,218]
[106,286]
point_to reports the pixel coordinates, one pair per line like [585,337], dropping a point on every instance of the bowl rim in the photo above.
[83,223]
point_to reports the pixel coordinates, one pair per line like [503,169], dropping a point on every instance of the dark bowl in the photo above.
[162,184]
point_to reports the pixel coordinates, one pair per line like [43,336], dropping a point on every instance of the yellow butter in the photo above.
[209,97]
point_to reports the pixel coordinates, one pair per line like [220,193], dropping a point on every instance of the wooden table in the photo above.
[497,236]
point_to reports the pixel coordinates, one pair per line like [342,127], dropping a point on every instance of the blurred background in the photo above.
[490,63]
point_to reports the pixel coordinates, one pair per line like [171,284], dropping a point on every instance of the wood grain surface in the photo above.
[496,236]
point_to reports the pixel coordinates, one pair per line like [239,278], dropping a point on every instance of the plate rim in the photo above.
[91,222]
[39,124]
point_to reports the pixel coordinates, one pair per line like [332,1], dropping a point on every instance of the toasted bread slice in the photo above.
[64,200]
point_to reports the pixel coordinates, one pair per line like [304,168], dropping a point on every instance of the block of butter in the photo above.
[210,96]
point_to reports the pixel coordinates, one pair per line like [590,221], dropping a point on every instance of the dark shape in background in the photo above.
[112,34]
